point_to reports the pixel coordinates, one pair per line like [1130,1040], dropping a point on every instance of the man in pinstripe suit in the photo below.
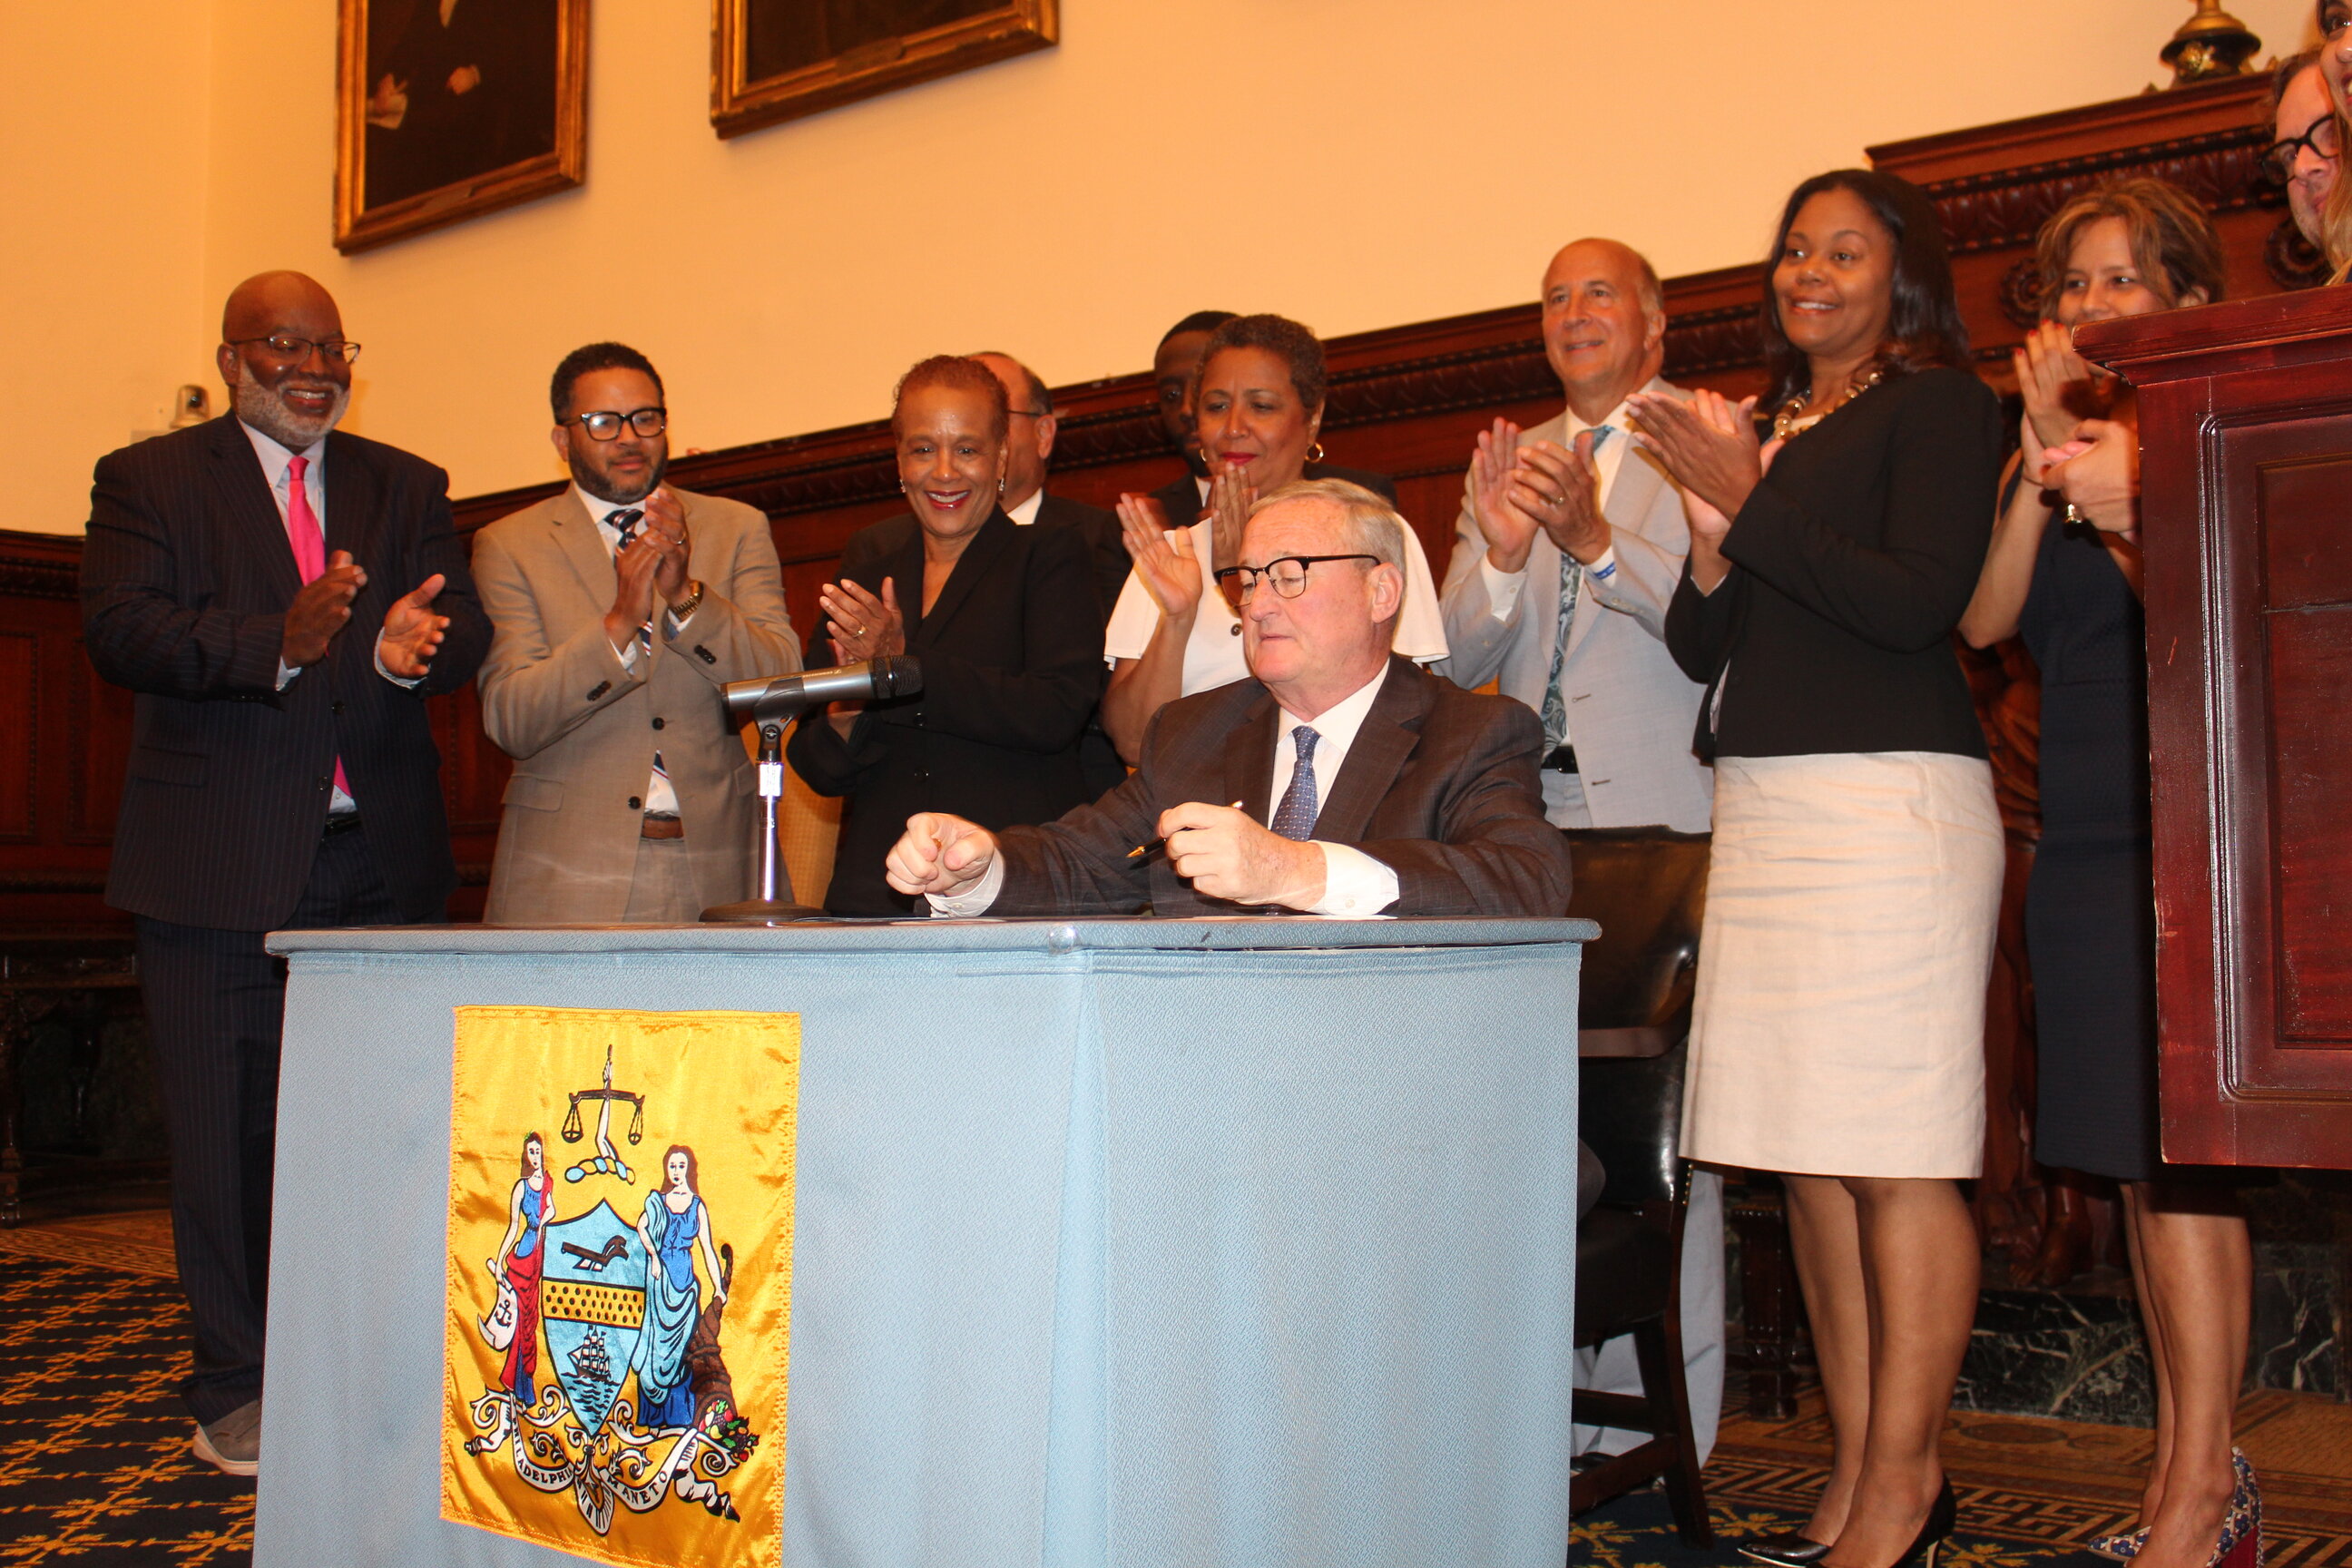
[282,772]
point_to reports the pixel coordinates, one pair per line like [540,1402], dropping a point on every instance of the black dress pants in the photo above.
[215,1007]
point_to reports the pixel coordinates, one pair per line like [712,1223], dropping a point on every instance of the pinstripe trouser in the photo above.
[215,1005]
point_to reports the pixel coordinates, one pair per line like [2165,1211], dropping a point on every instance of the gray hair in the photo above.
[1368,525]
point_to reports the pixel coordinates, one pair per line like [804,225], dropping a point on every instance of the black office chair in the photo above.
[1646,886]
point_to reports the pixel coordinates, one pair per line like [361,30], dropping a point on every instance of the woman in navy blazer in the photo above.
[1005,621]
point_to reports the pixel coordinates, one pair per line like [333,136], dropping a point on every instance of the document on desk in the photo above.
[620,1246]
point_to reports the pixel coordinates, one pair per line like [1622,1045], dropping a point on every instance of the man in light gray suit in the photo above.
[1569,546]
[620,607]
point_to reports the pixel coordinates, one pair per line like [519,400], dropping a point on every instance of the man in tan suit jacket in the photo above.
[621,608]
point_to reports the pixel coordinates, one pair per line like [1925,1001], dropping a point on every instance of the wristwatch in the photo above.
[681,614]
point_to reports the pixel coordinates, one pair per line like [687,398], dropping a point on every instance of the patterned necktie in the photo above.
[1294,817]
[1571,583]
[624,522]
[310,548]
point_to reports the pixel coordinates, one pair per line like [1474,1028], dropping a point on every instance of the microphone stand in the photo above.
[766,909]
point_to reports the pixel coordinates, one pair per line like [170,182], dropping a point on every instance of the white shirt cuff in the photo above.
[410,681]
[286,673]
[1502,587]
[628,656]
[1353,882]
[975,899]
[1602,570]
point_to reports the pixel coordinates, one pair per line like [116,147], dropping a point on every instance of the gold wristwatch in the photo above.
[681,614]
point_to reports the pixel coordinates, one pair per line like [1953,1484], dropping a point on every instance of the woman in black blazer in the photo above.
[1855,876]
[1004,620]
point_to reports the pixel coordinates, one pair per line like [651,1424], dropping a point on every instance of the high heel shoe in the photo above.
[2118,1548]
[2241,1545]
[1794,1551]
[1788,1550]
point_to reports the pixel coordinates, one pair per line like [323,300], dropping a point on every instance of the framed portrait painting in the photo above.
[450,108]
[779,59]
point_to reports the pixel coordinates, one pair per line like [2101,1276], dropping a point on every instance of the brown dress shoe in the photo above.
[232,1444]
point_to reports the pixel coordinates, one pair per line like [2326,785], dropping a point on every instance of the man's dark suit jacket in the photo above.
[1012,657]
[1098,526]
[1440,785]
[185,579]
[1180,498]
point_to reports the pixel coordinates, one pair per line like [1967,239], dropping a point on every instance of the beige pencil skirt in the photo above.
[1839,1026]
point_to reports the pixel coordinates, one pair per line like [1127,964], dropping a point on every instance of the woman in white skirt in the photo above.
[1856,872]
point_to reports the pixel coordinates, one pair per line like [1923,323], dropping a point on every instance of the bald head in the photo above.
[1030,440]
[280,381]
[1604,324]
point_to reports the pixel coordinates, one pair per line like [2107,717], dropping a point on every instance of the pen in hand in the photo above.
[1140,850]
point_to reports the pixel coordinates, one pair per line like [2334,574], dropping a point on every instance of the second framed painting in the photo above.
[779,59]
[450,108]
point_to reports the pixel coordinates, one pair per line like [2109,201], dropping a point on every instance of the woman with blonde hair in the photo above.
[2073,591]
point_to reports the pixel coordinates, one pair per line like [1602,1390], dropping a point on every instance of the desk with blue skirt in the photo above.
[1123,1241]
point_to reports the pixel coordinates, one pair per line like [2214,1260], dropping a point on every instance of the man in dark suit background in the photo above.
[282,769]
[1356,783]
[1027,451]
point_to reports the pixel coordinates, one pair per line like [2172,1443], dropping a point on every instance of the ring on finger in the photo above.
[1558,500]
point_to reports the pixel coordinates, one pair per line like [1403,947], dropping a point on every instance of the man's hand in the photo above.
[1562,490]
[939,854]
[665,530]
[1225,854]
[320,611]
[636,566]
[465,79]
[412,632]
[1507,528]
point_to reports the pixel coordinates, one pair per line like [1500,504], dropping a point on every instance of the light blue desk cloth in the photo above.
[1129,1242]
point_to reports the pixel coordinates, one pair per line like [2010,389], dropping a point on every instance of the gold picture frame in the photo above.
[773,60]
[450,108]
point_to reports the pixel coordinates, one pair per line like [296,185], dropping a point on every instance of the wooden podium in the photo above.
[2246,513]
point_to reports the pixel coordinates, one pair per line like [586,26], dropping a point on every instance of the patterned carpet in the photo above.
[94,1463]
[2031,1491]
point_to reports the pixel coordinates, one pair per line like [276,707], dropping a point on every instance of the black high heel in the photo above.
[1941,1518]
[1786,1551]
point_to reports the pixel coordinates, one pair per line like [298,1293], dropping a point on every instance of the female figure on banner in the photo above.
[1838,1034]
[675,1227]
[516,1269]
[2072,588]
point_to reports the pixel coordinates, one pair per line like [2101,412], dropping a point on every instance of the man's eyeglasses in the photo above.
[1288,576]
[605,424]
[2322,138]
[294,350]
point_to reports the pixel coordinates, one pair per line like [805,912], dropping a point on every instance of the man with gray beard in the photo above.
[282,769]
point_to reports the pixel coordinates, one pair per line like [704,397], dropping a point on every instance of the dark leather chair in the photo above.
[1646,886]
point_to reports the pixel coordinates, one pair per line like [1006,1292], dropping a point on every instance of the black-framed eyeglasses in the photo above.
[1287,574]
[605,424]
[2324,139]
[294,350]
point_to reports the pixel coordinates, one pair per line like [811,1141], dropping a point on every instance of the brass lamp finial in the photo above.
[2210,44]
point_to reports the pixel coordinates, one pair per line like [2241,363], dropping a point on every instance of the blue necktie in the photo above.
[1571,582]
[1294,817]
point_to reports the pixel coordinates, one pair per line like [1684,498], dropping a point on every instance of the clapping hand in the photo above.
[1163,558]
[1506,525]
[1562,490]
[2059,387]
[320,610]
[665,533]
[1708,444]
[412,632]
[865,625]
[1230,496]
[2098,473]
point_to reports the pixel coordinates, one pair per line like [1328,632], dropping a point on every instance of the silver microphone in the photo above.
[775,699]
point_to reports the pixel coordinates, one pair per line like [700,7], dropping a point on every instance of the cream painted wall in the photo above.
[1355,164]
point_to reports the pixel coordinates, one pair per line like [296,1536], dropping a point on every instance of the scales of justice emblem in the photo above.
[640,1407]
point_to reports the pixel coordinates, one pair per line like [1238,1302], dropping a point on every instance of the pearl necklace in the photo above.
[1786,425]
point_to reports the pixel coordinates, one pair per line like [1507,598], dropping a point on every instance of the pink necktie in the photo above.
[309,551]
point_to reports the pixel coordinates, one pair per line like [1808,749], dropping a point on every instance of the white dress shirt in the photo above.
[1026,512]
[277,466]
[1354,884]
[661,800]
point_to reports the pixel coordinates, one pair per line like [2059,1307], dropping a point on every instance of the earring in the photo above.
[1000,484]
[1314,453]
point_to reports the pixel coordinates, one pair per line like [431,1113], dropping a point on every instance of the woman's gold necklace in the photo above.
[1787,424]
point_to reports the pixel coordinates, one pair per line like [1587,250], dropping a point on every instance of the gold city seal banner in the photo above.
[620,1281]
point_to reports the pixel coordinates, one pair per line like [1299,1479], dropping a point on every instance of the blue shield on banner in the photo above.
[593,1306]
